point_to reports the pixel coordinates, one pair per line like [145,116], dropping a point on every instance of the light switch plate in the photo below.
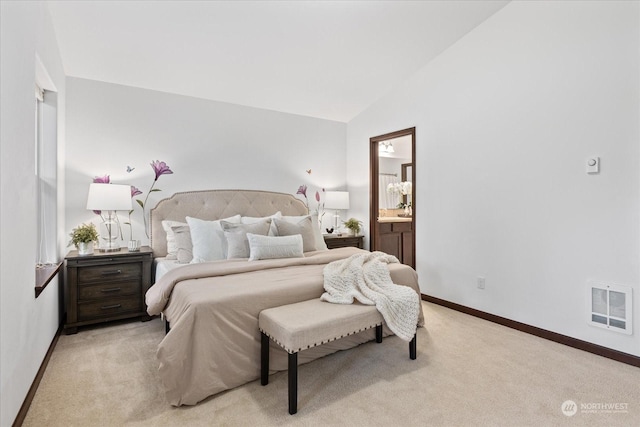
[593,164]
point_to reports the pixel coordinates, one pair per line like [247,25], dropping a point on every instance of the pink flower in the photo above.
[160,168]
[302,190]
[135,191]
[102,179]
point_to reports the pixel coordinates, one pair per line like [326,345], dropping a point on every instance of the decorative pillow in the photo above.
[252,220]
[236,235]
[208,239]
[320,244]
[271,247]
[184,253]
[303,227]
[172,249]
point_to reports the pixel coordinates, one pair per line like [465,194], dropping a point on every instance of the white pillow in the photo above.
[320,244]
[172,248]
[253,220]
[208,239]
[271,247]
[236,236]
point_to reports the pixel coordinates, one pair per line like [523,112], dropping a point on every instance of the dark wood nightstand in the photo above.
[106,286]
[334,241]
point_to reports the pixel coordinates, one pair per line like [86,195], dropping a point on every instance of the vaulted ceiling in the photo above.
[325,59]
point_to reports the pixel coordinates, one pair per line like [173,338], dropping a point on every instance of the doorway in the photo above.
[392,199]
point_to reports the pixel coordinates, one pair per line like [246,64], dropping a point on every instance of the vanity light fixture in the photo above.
[386,147]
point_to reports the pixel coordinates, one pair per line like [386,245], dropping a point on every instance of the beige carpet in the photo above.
[468,372]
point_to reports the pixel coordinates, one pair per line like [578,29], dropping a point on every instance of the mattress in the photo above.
[162,266]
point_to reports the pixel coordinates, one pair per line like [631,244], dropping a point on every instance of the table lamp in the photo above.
[336,200]
[109,198]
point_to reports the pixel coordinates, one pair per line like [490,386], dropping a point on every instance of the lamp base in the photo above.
[109,250]
[109,231]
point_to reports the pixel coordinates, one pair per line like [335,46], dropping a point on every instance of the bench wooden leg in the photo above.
[379,333]
[293,383]
[264,359]
[412,348]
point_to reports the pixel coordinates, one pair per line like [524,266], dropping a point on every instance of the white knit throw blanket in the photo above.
[366,278]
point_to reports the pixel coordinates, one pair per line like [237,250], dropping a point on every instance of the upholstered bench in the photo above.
[308,324]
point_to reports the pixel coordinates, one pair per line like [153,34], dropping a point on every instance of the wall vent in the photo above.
[610,306]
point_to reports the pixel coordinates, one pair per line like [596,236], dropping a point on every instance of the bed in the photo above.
[212,307]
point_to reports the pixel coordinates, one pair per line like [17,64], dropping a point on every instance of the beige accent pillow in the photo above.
[172,249]
[236,235]
[271,247]
[184,252]
[253,220]
[302,227]
[320,244]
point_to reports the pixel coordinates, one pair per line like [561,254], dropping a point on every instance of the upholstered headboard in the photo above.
[216,204]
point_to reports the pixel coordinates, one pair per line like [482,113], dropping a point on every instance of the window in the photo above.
[46,176]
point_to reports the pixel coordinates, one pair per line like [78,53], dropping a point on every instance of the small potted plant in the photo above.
[353,225]
[83,237]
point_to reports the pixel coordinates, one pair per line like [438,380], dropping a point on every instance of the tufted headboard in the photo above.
[216,204]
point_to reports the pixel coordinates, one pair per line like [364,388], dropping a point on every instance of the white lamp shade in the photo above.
[109,197]
[336,200]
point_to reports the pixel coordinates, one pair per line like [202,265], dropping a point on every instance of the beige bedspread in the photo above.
[214,341]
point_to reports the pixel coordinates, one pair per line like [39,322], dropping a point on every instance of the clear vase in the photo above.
[109,235]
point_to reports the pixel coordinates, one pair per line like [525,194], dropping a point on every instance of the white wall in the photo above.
[505,120]
[207,144]
[27,324]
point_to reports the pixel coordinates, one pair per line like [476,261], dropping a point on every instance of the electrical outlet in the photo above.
[480,282]
[593,164]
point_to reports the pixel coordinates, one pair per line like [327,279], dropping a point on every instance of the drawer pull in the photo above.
[107,307]
[111,272]
[110,290]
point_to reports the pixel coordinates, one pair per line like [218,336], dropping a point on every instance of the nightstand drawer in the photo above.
[343,243]
[108,290]
[335,242]
[108,307]
[104,273]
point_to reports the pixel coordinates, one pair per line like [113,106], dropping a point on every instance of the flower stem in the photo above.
[144,205]
[131,225]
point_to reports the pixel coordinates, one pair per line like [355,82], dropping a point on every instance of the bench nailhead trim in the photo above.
[290,351]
